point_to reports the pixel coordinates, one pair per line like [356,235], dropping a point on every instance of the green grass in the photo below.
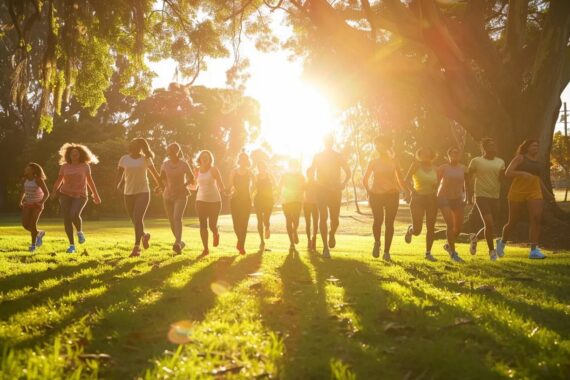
[101,314]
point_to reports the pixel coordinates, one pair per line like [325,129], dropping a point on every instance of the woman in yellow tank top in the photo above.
[421,182]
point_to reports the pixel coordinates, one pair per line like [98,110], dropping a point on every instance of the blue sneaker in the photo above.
[500,247]
[376,249]
[31,248]
[536,254]
[326,253]
[455,257]
[80,237]
[39,238]
[71,249]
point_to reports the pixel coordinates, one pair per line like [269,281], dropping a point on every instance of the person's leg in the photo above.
[307,214]
[288,222]
[323,216]
[169,210]
[315,218]
[431,217]
[485,208]
[448,218]
[139,211]
[515,213]
[214,209]
[259,217]
[535,209]
[245,210]
[391,208]
[26,221]
[377,216]
[235,213]
[178,216]
[334,210]
[296,216]
[417,209]
[202,211]
[65,206]
[35,213]
[458,214]
[77,206]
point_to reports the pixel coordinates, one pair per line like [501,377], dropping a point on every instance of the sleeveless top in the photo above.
[425,182]
[32,192]
[530,166]
[293,187]
[385,180]
[241,186]
[263,187]
[452,182]
[207,188]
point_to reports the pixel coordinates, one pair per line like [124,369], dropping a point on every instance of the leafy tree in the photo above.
[561,157]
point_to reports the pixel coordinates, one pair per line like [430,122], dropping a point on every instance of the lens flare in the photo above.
[180,332]
[220,287]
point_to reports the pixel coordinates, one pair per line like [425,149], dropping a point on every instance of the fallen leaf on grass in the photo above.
[460,321]
[461,282]
[223,370]
[534,331]
[397,329]
[486,288]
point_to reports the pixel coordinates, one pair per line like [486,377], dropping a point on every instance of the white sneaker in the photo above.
[536,254]
[473,244]
[493,255]
[500,247]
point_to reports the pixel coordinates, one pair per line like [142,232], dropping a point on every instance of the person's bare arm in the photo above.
[56,186]
[218,178]
[93,188]
[154,173]
[119,177]
[512,171]
[468,186]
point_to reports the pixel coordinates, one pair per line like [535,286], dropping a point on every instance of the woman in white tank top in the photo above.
[208,198]
[32,200]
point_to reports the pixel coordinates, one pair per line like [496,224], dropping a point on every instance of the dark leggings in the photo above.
[384,208]
[136,205]
[71,209]
[208,216]
[241,208]
[292,213]
[30,217]
[311,212]
[263,209]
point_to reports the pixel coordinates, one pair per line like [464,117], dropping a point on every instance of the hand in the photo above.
[96,199]
[21,205]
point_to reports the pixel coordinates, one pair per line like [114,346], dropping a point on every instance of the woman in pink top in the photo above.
[71,188]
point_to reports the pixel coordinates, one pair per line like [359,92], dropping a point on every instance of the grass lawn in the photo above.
[100,314]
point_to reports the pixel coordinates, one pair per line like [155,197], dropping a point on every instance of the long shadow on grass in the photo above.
[415,346]
[139,335]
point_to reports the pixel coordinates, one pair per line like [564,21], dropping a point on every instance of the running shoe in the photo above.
[40,238]
[473,244]
[31,248]
[332,241]
[177,248]
[500,247]
[80,237]
[376,249]
[409,233]
[216,239]
[447,249]
[386,256]
[182,245]
[455,257]
[145,240]
[326,253]
[493,255]
[136,252]
[429,257]
[536,254]
[71,249]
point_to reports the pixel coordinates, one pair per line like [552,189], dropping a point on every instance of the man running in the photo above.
[327,166]
[488,171]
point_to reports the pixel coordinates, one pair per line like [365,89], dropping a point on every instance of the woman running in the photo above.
[384,195]
[527,189]
[293,186]
[176,175]
[311,211]
[450,198]
[240,204]
[133,179]
[208,198]
[32,202]
[263,202]
[71,187]
[422,176]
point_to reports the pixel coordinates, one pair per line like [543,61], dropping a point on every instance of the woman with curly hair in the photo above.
[71,187]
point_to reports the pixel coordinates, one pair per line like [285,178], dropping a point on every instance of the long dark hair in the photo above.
[523,148]
[37,170]
[140,145]
[85,155]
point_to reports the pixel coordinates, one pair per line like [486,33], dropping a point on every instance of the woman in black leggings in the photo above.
[384,195]
[132,173]
[240,183]
[263,202]
[311,212]
[208,198]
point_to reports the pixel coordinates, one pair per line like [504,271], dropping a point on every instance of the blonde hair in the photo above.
[85,155]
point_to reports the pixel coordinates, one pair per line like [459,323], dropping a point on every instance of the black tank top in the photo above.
[241,185]
[530,166]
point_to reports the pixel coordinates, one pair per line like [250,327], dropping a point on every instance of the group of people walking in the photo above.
[317,195]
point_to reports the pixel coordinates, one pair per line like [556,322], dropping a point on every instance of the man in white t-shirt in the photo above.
[488,172]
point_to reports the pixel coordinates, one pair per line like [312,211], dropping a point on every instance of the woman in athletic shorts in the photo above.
[422,184]
[527,189]
[450,198]
[384,195]
[240,183]
[311,211]
[208,198]
[293,186]
[34,196]
[263,202]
